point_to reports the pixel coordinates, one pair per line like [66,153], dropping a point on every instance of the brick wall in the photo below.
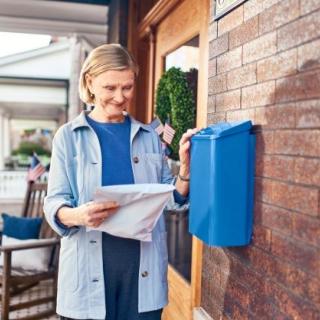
[265,66]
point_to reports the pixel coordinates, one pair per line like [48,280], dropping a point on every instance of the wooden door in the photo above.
[158,29]
[185,26]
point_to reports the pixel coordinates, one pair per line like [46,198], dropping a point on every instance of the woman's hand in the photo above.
[182,184]
[184,151]
[90,214]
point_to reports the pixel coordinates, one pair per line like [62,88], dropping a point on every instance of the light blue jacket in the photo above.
[75,172]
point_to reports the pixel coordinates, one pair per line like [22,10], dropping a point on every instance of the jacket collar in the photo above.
[81,121]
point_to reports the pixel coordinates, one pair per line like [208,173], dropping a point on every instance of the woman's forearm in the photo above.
[68,216]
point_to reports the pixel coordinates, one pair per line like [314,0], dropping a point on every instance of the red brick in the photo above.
[229,60]
[211,103]
[244,33]
[294,307]
[213,31]
[230,21]
[309,6]
[278,15]
[217,84]
[277,218]
[252,8]
[261,307]
[299,87]
[268,3]
[263,189]
[307,171]
[228,101]
[297,142]
[216,117]
[264,142]
[278,167]
[216,275]
[305,257]
[306,229]
[242,76]
[237,292]
[260,48]
[233,310]
[308,114]
[299,31]
[219,46]
[220,258]
[262,262]
[295,197]
[258,95]
[239,115]
[215,310]
[245,275]
[217,293]
[257,212]
[299,282]
[212,68]
[278,66]
[275,117]
[261,237]
[309,55]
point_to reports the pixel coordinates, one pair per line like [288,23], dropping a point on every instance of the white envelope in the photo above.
[141,206]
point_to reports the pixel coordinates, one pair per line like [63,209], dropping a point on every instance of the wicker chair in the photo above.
[15,281]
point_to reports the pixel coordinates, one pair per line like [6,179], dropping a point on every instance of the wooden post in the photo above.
[5,301]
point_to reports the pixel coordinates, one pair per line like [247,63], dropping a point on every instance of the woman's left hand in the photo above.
[184,150]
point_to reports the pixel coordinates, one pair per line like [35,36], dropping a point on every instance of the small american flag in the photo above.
[36,169]
[168,133]
[157,126]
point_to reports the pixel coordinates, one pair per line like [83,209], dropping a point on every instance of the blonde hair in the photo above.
[103,58]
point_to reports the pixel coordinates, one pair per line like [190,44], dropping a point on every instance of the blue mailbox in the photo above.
[222,184]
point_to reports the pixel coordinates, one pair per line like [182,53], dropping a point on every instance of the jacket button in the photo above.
[95,280]
[144,274]
[93,241]
[135,159]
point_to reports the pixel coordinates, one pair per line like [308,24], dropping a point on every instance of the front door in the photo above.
[181,41]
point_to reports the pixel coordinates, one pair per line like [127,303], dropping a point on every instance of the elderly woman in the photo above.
[103,276]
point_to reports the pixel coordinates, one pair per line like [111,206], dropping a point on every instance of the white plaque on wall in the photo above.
[224,6]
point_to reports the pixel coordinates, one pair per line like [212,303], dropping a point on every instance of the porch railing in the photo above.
[13,184]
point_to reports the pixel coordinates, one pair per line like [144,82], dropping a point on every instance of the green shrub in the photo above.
[28,148]
[175,102]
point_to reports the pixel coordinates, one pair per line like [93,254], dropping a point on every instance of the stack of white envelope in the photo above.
[141,206]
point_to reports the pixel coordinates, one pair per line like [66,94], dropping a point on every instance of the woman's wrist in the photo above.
[184,172]
[68,216]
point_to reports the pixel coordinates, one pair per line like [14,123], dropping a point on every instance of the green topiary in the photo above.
[175,102]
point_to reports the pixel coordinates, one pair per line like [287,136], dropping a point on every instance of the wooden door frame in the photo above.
[146,29]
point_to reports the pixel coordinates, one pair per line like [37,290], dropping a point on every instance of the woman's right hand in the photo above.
[90,214]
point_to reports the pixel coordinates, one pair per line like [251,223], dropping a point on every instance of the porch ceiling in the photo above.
[23,98]
[58,18]
[33,111]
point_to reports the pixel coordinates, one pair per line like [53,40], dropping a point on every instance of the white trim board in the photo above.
[200,314]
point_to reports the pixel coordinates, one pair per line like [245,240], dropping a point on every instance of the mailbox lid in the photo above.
[222,129]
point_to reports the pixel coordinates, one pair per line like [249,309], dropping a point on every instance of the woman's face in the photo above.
[113,91]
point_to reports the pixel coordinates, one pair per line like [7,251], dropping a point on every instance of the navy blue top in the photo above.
[114,141]
[121,256]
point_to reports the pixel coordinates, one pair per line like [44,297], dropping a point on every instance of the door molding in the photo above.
[155,15]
